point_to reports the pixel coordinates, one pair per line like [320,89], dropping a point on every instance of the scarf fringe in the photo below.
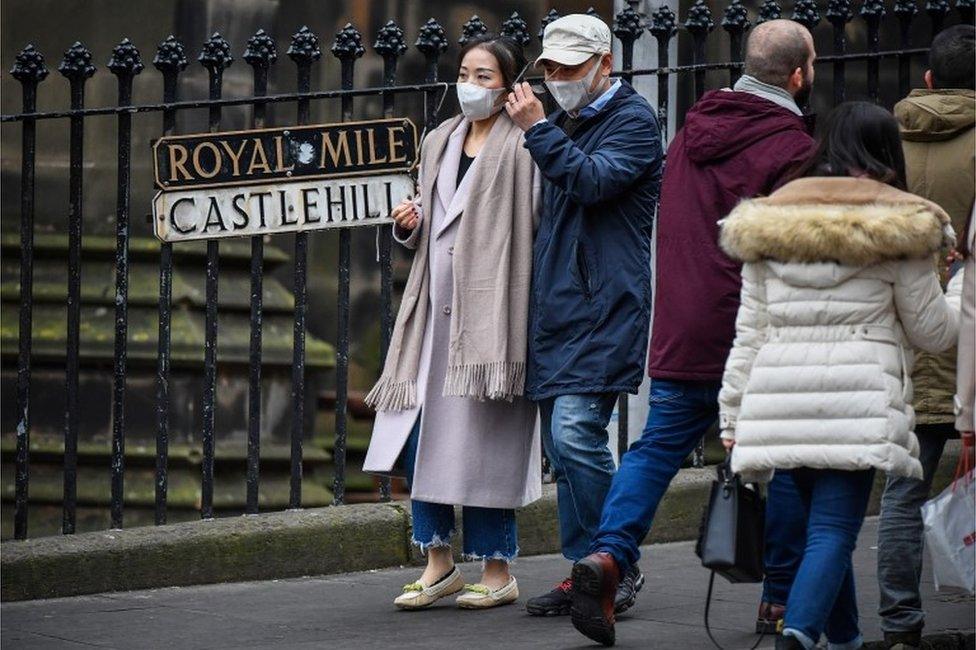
[498,380]
[390,395]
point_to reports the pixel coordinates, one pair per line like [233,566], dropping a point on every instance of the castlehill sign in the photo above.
[245,183]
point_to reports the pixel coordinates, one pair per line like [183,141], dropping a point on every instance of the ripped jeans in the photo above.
[489,533]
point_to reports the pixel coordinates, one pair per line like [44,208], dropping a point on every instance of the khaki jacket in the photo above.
[939,141]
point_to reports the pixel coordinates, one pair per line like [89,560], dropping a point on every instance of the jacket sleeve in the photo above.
[966,361]
[750,334]
[410,238]
[928,319]
[632,145]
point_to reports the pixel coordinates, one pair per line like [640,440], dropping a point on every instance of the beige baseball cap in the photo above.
[572,39]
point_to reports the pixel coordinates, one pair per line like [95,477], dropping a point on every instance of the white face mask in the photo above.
[574,95]
[478,102]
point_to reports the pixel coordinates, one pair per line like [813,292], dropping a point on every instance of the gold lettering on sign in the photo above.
[396,140]
[335,151]
[196,160]
[279,149]
[371,138]
[263,164]
[235,157]
[359,146]
[178,155]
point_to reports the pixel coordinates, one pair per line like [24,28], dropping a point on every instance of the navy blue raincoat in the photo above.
[591,279]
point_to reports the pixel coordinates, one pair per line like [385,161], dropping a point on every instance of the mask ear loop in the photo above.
[447,87]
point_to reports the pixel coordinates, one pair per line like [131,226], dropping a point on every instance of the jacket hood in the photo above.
[932,115]
[853,222]
[724,122]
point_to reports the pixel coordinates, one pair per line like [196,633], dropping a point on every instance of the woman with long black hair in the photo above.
[838,288]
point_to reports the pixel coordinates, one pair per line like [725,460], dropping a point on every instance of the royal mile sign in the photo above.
[262,181]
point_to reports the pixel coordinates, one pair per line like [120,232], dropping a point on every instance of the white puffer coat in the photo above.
[837,287]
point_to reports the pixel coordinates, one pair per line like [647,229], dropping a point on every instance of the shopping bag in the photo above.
[950,530]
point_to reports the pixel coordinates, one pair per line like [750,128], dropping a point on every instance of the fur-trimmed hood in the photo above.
[854,222]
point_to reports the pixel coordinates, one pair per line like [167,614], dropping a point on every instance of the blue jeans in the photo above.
[823,599]
[489,533]
[574,435]
[786,535]
[681,413]
[900,535]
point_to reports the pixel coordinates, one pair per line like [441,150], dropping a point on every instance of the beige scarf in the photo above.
[492,265]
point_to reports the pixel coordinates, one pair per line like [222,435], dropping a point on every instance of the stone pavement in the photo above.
[354,611]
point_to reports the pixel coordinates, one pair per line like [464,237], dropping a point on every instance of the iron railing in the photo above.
[171,59]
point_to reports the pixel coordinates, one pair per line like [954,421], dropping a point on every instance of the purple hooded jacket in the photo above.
[733,146]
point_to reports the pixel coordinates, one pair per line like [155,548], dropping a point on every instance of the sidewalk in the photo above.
[355,611]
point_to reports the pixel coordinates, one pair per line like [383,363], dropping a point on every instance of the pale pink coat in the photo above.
[470,452]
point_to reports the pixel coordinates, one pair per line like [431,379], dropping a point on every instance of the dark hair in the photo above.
[951,58]
[859,139]
[774,52]
[508,53]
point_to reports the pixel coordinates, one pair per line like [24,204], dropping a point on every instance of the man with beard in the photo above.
[735,144]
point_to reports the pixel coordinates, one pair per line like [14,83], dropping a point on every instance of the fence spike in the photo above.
[735,19]
[516,29]
[216,56]
[125,59]
[431,40]
[261,51]
[699,21]
[390,40]
[906,9]
[170,56]
[548,18]
[348,43]
[872,11]
[474,27]
[806,13]
[966,9]
[664,24]
[769,11]
[76,63]
[29,66]
[628,24]
[304,48]
[840,12]
[937,11]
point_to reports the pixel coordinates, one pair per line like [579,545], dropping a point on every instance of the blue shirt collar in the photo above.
[597,104]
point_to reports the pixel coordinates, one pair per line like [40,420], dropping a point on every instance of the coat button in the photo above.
[450,250]
[447,310]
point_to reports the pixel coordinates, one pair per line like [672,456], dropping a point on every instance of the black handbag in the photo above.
[730,540]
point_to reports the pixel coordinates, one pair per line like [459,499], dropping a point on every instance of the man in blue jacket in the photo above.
[601,160]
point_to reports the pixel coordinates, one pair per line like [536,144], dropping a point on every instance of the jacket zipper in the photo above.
[584,270]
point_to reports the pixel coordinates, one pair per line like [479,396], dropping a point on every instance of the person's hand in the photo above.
[405,215]
[728,444]
[953,257]
[524,107]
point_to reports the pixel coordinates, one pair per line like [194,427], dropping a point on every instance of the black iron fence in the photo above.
[629,26]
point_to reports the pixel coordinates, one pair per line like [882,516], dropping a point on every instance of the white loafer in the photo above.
[482,597]
[417,595]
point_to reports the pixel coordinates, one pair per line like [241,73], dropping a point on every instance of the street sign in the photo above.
[246,183]
[217,212]
[236,158]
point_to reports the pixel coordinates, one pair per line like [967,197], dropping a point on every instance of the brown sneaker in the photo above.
[595,581]
[770,618]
